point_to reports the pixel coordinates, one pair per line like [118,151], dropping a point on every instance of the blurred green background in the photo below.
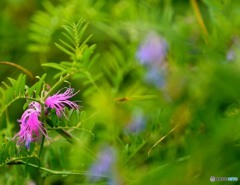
[186,130]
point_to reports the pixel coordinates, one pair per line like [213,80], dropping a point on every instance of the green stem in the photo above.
[19,67]
[73,128]
[60,81]
[41,147]
[136,151]
[4,107]
[200,20]
[67,136]
[71,139]
[92,81]
[55,172]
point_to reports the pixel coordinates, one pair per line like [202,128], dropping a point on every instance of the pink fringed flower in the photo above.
[31,128]
[60,100]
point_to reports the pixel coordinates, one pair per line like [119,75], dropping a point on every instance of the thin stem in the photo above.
[19,67]
[132,98]
[55,172]
[71,139]
[200,20]
[93,82]
[136,151]
[41,146]
[15,99]
[60,81]
[73,128]
[161,139]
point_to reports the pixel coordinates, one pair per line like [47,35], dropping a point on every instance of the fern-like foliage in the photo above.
[47,22]
[74,45]
[12,92]
[75,121]
[10,153]
[81,55]
[17,89]
[123,76]
[44,24]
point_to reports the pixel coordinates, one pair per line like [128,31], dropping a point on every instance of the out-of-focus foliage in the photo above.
[158,90]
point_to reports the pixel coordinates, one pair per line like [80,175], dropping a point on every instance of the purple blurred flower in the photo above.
[59,100]
[231,55]
[31,182]
[152,53]
[156,77]
[233,51]
[31,128]
[137,124]
[152,50]
[104,165]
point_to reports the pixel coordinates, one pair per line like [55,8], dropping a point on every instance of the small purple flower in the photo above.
[104,165]
[152,53]
[137,124]
[31,128]
[233,51]
[231,55]
[156,77]
[152,50]
[60,100]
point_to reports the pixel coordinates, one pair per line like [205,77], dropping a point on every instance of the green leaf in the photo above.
[55,66]
[13,92]
[64,49]
[9,153]
[37,87]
